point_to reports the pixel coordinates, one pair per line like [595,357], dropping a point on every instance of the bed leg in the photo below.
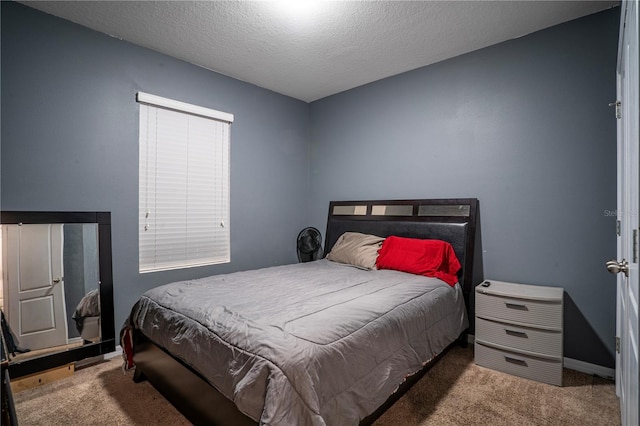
[463,340]
[138,376]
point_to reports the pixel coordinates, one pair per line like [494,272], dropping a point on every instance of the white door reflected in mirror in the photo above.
[33,271]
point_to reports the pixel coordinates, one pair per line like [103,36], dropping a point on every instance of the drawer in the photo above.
[538,369]
[545,342]
[534,312]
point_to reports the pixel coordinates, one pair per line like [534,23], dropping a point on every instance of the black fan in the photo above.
[309,245]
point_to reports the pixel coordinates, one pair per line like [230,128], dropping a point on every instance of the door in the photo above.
[33,276]
[627,372]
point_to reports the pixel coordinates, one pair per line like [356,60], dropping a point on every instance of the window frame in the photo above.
[164,250]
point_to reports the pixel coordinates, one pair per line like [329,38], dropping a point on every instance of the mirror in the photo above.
[57,304]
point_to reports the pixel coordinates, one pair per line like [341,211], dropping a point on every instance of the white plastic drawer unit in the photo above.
[513,336]
[530,367]
[519,330]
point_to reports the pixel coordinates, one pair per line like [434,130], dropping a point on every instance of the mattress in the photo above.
[87,316]
[316,343]
[90,329]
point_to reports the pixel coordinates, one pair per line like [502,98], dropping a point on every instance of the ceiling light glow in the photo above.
[299,8]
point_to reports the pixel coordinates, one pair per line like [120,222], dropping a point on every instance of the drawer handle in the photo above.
[516,333]
[515,361]
[516,306]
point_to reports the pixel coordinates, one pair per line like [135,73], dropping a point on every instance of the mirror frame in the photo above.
[107,344]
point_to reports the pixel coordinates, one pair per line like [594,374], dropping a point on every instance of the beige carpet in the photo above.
[98,395]
[458,392]
[454,392]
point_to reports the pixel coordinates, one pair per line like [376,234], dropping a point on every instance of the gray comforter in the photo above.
[307,344]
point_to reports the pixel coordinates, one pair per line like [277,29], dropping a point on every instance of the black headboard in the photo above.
[452,220]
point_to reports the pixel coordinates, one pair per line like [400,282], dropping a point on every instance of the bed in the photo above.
[324,342]
[87,316]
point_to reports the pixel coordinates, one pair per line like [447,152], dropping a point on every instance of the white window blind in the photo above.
[184,185]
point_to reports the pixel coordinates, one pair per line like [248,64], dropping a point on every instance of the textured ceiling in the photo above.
[334,46]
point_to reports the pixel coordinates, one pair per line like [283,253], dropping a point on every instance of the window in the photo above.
[184,185]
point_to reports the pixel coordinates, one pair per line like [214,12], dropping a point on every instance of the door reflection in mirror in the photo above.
[50,275]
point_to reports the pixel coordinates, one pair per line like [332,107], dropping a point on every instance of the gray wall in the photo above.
[70,141]
[523,126]
[74,279]
[90,257]
[80,257]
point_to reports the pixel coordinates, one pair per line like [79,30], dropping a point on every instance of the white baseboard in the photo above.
[96,359]
[114,354]
[586,367]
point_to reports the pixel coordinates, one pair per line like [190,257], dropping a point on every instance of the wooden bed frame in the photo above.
[451,220]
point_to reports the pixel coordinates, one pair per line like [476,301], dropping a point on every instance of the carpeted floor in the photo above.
[454,392]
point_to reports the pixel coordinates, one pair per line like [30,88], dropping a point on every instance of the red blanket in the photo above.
[431,258]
